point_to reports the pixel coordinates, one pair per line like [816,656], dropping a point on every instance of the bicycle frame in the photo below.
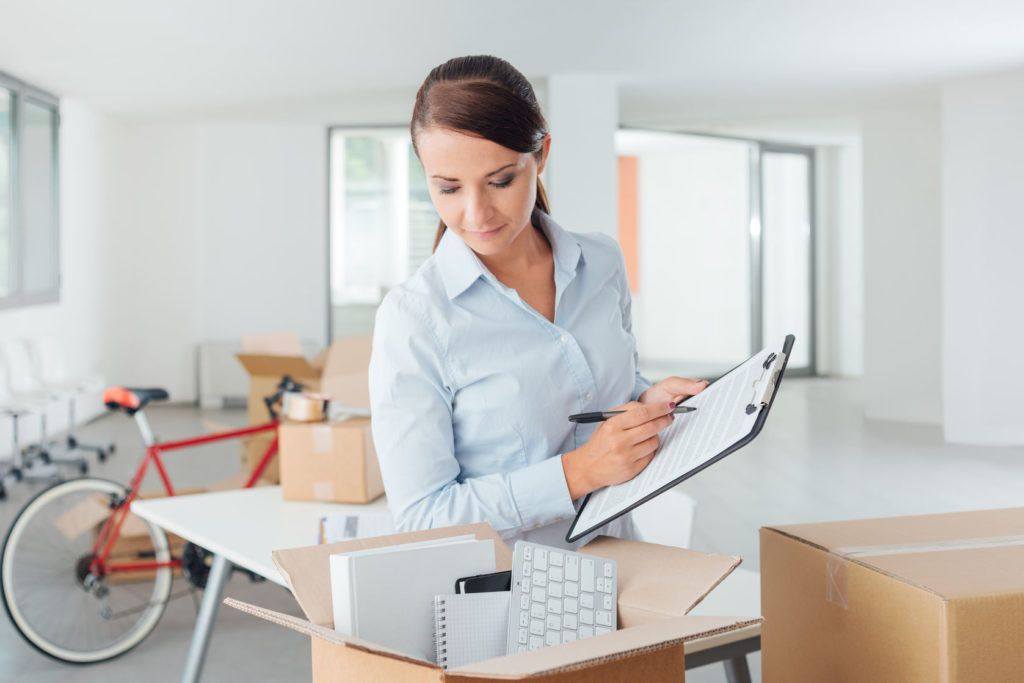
[111,529]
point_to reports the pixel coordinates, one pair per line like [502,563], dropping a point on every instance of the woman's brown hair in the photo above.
[487,97]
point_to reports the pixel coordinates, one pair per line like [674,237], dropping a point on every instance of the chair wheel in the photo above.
[101,455]
[83,468]
[17,474]
[45,457]
[113,447]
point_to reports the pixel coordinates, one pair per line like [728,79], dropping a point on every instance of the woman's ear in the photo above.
[544,149]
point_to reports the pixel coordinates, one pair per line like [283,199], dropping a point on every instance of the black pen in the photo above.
[601,417]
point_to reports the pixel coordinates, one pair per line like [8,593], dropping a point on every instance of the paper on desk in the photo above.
[345,527]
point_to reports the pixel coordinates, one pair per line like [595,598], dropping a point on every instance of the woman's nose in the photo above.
[478,210]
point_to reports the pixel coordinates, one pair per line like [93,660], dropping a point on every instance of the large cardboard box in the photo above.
[929,599]
[340,371]
[658,585]
[329,461]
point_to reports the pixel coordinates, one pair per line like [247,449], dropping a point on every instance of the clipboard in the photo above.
[692,446]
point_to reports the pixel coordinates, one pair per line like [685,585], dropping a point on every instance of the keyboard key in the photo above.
[587,600]
[587,575]
[524,585]
[604,618]
[606,585]
[607,570]
[586,616]
[555,590]
[527,569]
[553,638]
[539,595]
[600,585]
[527,552]
[555,574]
[537,627]
[524,601]
[524,619]
[571,605]
[554,606]
[607,602]
[572,589]
[523,636]
[536,642]
[572,568]
[555,558]
[554,622]
[570,621]
[541,559]
[601,630]
[568,636]
[586,632]
[540,578]
[537,611]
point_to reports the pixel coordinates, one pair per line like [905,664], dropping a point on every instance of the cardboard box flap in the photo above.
[954,555]
[273,344]
[615,645]
[259,365]
[307,570]
[645,569]
[322,632]
[346,363]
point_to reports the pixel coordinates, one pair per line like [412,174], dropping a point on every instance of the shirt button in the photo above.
[589,396]
[565,339]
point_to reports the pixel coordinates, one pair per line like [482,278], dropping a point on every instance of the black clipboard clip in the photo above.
[755,404]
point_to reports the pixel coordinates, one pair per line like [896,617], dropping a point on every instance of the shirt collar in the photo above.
[460,266]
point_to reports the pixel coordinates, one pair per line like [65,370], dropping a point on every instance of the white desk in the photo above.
[240,528]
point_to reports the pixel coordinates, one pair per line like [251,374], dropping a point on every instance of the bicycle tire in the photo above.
[44,590]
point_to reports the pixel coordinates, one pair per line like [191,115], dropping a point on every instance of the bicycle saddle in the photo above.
[131,400]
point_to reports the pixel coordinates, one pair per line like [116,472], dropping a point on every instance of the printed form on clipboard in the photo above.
[730,412]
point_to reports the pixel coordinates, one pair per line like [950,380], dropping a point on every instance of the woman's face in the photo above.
[483,192]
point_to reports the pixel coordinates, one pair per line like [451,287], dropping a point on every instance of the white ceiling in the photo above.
[677,62]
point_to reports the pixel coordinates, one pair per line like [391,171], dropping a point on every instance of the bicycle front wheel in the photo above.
[57,604]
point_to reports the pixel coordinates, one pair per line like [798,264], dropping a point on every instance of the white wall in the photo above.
[220,231]
[902,272]
[982,186]
[77,318]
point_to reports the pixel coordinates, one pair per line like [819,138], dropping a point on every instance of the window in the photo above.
[29,245]
[382,223]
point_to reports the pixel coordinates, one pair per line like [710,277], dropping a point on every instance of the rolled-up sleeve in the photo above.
[411,399]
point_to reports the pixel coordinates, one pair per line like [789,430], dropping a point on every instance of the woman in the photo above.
[511,325]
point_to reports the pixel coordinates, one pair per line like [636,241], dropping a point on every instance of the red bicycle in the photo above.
[65,592]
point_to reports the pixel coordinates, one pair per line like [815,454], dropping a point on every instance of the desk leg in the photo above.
[218,576]
[736,670]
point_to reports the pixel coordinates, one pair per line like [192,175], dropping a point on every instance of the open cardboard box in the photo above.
[340,371]
[658,585]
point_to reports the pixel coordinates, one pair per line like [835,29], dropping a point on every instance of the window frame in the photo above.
[20,93]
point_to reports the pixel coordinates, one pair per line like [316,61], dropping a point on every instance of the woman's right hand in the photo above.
[618,450]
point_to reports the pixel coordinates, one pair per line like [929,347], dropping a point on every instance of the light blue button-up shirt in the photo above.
[471,388]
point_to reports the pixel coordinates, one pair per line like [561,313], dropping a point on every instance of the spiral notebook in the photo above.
[470,627]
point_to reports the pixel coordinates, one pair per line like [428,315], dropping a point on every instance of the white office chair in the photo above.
[49,371]
[17,466]
[666,519]
[25,389]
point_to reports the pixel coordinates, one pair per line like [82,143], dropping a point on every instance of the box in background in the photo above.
[340,371]
[912,599]
[329,461]
[658,585]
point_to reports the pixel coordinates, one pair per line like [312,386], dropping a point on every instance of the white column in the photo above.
[582,173]
[902,265]
[983,256]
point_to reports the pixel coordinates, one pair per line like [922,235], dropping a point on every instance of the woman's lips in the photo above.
[487,234]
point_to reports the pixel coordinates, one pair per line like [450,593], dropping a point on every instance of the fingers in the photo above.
[640,413]
[684,388]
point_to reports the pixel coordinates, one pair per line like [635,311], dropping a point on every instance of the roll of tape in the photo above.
[305,407]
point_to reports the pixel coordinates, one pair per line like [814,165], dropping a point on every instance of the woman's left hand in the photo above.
[673,389]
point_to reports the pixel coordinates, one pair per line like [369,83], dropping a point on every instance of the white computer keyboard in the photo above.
[559,596]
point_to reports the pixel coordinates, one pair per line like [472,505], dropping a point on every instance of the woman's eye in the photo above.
[502,183]
[447,190]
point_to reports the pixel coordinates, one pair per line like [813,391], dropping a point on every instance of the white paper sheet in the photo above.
[692,439]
